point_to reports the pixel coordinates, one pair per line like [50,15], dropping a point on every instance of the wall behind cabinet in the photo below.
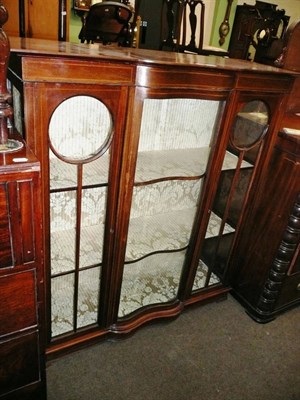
[41,18]
[12,25]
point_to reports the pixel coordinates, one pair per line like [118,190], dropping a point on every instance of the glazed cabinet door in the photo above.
[80,154]
[169,158]
[246,140]
[250,142]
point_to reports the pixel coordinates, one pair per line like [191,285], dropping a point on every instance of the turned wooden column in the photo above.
[6,109]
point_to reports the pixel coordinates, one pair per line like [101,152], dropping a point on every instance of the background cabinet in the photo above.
[266,276]
[22,373]
[261,25]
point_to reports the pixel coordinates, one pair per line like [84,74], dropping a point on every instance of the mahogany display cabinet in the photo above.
[150,163]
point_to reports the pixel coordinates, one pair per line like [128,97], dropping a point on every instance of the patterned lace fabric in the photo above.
[151,280]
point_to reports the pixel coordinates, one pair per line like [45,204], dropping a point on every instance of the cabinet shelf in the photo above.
[178,163]
[151,166]
[168,231]
[155,280]
[173,236]
[185,163]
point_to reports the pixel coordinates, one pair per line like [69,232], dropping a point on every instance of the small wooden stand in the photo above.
[6,110]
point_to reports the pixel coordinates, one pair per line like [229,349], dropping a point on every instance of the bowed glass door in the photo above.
[173,153]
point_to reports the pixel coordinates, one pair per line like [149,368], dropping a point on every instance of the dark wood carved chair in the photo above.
[185,27]
[171,16]
[107,22]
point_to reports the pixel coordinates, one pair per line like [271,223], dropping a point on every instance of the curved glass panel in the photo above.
[80,128]
[250,125]
[174,149]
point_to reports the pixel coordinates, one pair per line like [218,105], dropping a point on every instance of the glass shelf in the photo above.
[188,163]
[151,165]
[165,232]
[155,280]
[174,235]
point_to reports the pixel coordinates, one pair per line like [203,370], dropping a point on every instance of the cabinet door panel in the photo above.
[41,18]
[19,363]
[17,223]
[5,231]
[18,302]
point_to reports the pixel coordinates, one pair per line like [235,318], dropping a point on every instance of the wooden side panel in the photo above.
[293,105]
[12,25]
[17,229]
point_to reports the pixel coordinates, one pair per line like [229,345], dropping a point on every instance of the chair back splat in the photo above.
[185,27]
